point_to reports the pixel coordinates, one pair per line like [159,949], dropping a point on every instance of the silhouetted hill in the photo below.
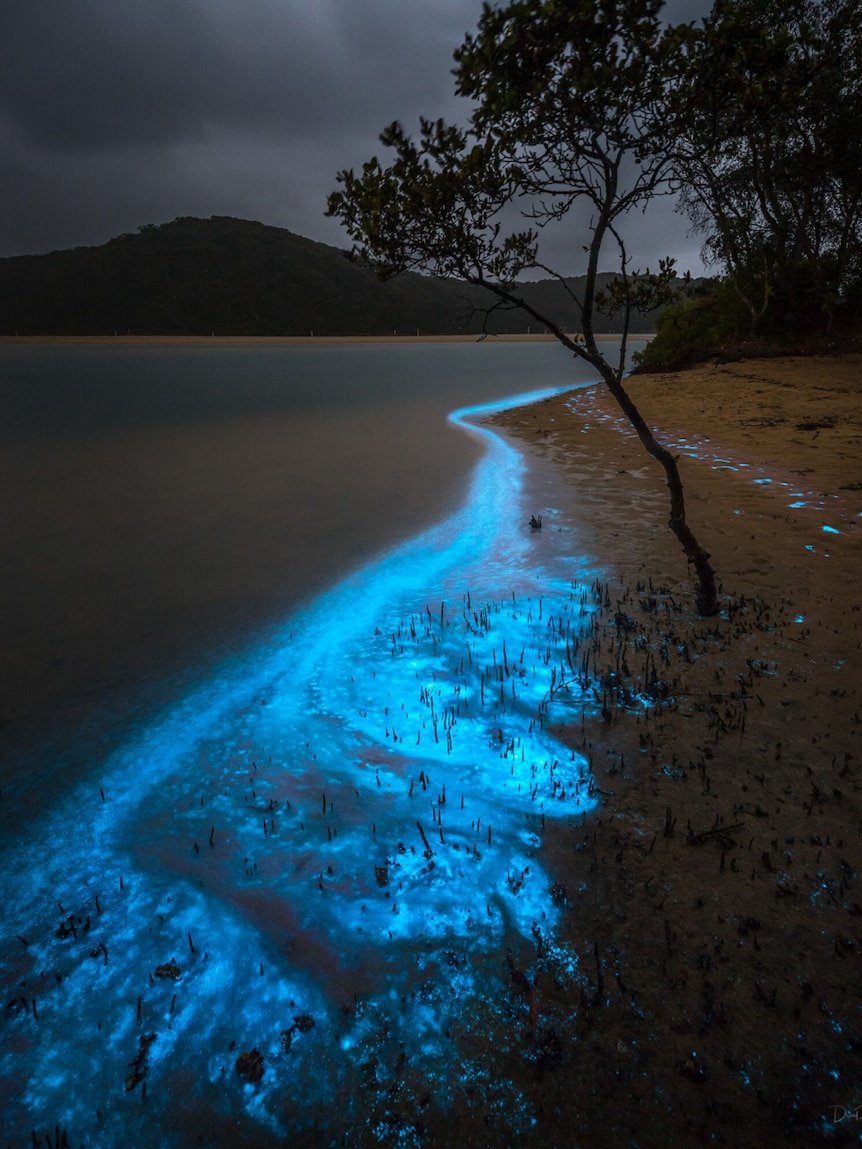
[227,276]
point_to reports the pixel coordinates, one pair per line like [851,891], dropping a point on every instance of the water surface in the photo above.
[160,506]
[312,856]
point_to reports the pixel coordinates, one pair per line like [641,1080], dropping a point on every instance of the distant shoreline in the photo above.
[285,340]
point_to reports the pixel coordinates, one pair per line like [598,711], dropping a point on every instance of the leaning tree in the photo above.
[569,100]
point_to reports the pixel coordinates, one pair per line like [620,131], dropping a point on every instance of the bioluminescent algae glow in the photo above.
[702,448]
[315,859]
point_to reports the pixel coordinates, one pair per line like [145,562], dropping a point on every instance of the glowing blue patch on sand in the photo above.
[830,530]
[336,837]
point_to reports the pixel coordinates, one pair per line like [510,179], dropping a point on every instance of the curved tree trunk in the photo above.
[707,595]
[694,552]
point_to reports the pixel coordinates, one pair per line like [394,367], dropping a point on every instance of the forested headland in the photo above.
[226,276]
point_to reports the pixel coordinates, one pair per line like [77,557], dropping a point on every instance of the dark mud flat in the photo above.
[714,901]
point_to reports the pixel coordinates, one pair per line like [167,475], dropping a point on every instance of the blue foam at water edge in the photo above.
[328,823]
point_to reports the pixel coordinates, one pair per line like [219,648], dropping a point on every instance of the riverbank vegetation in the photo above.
[768,164]
[588,111]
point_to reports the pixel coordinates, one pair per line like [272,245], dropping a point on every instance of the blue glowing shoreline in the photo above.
[327,821]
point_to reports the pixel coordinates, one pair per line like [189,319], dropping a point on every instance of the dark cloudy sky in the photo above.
[116,113]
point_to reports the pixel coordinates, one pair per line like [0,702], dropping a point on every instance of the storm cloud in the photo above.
[116,115]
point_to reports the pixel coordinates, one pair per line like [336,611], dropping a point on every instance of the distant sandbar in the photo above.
[282,340]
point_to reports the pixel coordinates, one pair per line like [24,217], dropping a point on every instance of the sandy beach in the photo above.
[714,902]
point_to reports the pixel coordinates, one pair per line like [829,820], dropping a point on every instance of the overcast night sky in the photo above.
[116,114]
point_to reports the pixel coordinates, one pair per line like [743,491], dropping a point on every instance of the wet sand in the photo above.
[715,900]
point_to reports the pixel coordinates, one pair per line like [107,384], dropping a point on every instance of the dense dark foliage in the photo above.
[764,130]
[768,153]
[228,276]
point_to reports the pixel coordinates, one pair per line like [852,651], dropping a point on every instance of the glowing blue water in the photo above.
[319,855]
[164,507]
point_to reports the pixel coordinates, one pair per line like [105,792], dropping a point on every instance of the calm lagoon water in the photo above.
[162,506]
[280,649]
